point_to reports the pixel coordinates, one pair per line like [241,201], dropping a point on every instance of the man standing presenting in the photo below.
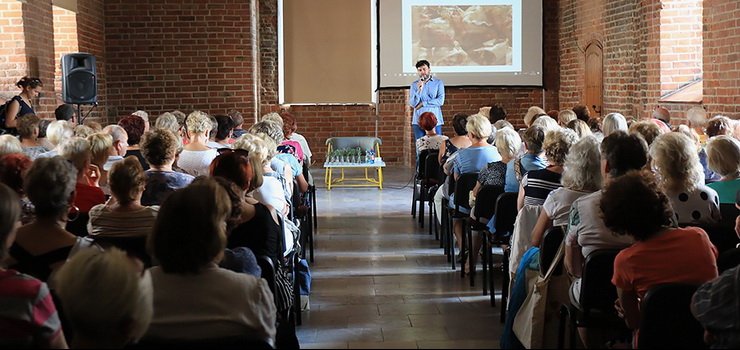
[427,94]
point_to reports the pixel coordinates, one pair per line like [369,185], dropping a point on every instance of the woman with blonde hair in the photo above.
[122,316]
[566,116]
[101,145]
[675,161]
[123,215]
[188,239]
[87,192]
[723,157]
[271,191]
[580,127]
[196,156]
[28,133]
[647,130]
[57,132]
[531,115]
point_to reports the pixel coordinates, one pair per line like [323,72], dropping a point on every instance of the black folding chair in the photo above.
[504,216]
[463,185]
[666,320]
[134,246]
[485,207]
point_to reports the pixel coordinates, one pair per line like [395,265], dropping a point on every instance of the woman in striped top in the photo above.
[537,184]
[123,215]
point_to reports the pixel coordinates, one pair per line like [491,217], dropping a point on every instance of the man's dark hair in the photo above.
[225,126]
[624,152]
[581,112]
[64,112]
[497,113]
[423,63]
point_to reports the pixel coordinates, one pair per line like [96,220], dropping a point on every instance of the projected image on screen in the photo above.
[462,35]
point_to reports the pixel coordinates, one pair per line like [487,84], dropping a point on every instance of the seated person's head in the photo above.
[582,168]
[719,125]
[257,147]
[126,180]
[77,151]
[275,117]
[675,160]
[238,118]
[236,198]
[224,126]
[508,143]
[500,124]
[106,297]
[531,115]
[13,169]
[134,126]
[65,112]
[289,124]
[723,156]
[622,152]
[120,139]
[10,216]
[59,131]
[198,123]
[566,116]
[101,145]
[189,233]
[28,126]
[613,122]
[97,127]
[83,131]
[167,121]
[557,144]
[427,121]
[582,112]
[580,127]
[634,205]
[478,127]
[9,144]
[50,185]
[697,117]
[648,130]
[43,126]
[661,113]
[497,113]
[533,139]
[270,128]
[546,122]
[159,147]
[458,124]
[238,167]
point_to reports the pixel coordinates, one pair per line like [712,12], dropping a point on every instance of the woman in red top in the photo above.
[634,205]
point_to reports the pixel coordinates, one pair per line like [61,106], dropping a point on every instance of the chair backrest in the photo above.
[268,270]
[597,290]
[463,185]
[505,213]
[722,236]
[79,226]
[485,202]
[135,246]
[421,161]
[551,241]
[666,320]
[729,213]
[434,169]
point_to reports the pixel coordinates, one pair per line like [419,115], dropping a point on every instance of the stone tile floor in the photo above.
[380,281]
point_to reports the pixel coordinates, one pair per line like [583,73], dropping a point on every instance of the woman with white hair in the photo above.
[723,157]
[508,144]
[697,118]
[122,316]
[675,161]
[196,156]
[581,176]
[532,114]
[271,191]
[9,144]
[613,122]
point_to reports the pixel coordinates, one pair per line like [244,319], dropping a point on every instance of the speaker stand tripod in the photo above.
[80,118]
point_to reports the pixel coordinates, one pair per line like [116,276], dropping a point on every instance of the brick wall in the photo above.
[680,43]
[12,47]
[91,39]
[176,54]
[65,41]
[722,57]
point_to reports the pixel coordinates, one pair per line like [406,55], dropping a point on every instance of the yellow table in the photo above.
[375,181]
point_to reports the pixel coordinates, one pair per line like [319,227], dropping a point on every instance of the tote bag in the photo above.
[529,323]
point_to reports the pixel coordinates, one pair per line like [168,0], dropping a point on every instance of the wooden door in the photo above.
[593,94]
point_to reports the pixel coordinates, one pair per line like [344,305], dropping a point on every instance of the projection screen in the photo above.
[467,42]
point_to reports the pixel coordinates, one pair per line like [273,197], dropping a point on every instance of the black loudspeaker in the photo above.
[79,79]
